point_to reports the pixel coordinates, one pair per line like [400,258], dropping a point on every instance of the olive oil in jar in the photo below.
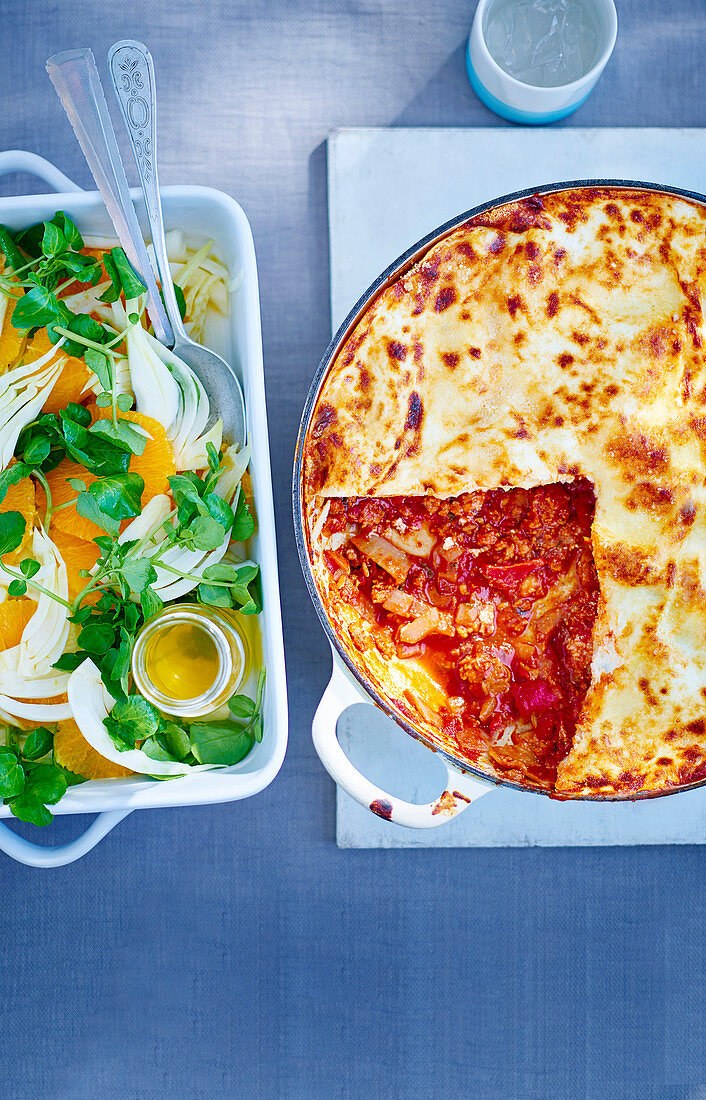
[189,660]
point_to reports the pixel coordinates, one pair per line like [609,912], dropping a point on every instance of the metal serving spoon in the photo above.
[75,76]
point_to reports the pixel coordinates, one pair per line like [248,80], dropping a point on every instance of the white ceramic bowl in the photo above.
[519,102]
[202,213]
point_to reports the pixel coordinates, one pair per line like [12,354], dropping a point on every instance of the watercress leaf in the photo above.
[221,571]
[100,365]
[219,510]
[257,728]
[96,637]
[37,449]
[130,281]
[37,308]
[243,526]
[115,667]
[181,300]
[30,240]
[242,706]
[28,807]
[29,567]
[38,743]
[176,740]
[187,490]
[133,719]
[247,593]
[103,400]
[214,595]
[123,435]
[113,291]
[154,749]
[12,475]
[17,588]
[138,573]
[118,496]
[72,778]
[151,603]
[213,459]
[85,325]
[12,530]
[87,506]
[204,533]
[219,742]
[69,661]
[77,485]
[53,240]
[85,269]
[68,229]
[45,782]
[12,776]
[75,414]
[124,402]
[104,544]
[13,255]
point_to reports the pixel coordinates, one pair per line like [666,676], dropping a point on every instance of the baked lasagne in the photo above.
[504,493]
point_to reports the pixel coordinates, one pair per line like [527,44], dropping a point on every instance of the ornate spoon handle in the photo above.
[132,73]
[75,77]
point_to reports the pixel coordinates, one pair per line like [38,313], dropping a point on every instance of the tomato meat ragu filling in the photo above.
[496,594]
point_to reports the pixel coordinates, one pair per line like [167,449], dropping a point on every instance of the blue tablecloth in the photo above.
[234,951]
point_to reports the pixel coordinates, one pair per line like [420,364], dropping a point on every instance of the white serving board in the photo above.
[387,189]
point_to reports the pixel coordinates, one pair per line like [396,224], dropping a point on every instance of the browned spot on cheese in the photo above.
[415,412]
[552,304]
[451,358]
[325,417]
[474,353]
[445,298]
[396,350]
[514,303]
[564,360]
[638,452]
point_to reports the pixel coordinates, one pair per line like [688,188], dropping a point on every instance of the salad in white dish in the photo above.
[120,502]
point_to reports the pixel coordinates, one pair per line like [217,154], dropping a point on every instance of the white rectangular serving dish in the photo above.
[202,213]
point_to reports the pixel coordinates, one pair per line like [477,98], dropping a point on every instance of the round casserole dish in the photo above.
[679,215]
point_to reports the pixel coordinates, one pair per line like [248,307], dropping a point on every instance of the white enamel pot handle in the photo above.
[18,160]
[24,851]
[459,792]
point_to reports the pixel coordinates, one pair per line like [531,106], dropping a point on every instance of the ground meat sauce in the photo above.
[495,593]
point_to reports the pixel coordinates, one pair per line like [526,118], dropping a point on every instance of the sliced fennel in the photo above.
[166,388]
[23,391]
[45,636]
[90,703]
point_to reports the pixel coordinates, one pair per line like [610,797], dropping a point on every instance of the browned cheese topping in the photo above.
[555,339]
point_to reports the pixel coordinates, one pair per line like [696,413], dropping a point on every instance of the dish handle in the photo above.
[37,855]
[19,160]
[459,792]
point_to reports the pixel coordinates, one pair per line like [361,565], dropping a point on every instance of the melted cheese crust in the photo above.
[555,337]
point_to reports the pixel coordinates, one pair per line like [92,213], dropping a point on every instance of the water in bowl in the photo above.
[545,43]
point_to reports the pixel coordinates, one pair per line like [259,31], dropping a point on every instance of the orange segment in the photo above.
[14,616]
[69,385]
[20,498]
[11,341]
[77,554]
[72,751]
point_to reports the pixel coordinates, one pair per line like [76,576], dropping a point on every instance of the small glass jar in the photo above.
[188,660]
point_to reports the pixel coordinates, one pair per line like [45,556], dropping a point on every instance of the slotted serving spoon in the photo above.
[75,76]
